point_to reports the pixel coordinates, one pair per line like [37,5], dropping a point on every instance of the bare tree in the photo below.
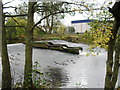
[6,72]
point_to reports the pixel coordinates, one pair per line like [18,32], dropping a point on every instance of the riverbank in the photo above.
[75,38]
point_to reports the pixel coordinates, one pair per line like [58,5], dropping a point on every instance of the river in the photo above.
[67,70]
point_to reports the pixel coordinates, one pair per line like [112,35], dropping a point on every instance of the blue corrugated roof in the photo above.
[82,21]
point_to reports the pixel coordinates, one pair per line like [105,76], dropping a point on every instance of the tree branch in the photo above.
[9,7]
[87,9]
[8,2]
[16,26]
[21,15]
[16,21]
[12,16]
[115,10]
[78,4]
[50,15]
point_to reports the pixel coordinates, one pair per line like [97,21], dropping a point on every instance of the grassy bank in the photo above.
[76,38]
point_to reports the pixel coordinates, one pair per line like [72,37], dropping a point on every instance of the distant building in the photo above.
[81,25]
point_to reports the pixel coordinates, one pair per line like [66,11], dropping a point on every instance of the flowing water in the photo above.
[66,70]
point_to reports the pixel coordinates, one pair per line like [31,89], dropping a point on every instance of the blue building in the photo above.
[81,25]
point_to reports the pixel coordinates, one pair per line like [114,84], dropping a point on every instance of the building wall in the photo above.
[81,27]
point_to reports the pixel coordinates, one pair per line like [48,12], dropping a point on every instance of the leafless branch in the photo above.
[8,2]
[9,7]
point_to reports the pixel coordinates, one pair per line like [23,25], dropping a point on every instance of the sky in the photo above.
[67,20]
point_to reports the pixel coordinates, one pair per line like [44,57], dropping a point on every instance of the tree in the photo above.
[1,11]
[46,8]
[52,12]
[112,66]
[59,28]
[101,27]
[29,40]
[105,32]
[6,73]
[71,29]
[28,50]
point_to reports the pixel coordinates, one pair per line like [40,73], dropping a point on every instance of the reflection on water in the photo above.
[57,76]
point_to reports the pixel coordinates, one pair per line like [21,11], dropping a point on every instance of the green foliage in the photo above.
[16,32]
[11,32]
[21,30]
[101,28]
[45,8]
[71,29]
[39,31]
[77,38]
[101,32]
[59,28]
[39,77]
[49,8]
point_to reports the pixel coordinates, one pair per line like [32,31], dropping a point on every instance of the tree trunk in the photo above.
[28,50]
[116,63]
[6,73]
[47,23]
[1,11]
[109,64]
[112,68]
[51,27]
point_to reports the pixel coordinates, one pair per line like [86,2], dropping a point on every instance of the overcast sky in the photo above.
[68,18]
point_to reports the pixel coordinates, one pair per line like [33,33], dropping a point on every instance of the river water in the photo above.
[67,70]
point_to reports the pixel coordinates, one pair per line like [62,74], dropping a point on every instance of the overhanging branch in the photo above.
[21,15]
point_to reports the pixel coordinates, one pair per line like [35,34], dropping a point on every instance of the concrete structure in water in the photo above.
[81,25]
